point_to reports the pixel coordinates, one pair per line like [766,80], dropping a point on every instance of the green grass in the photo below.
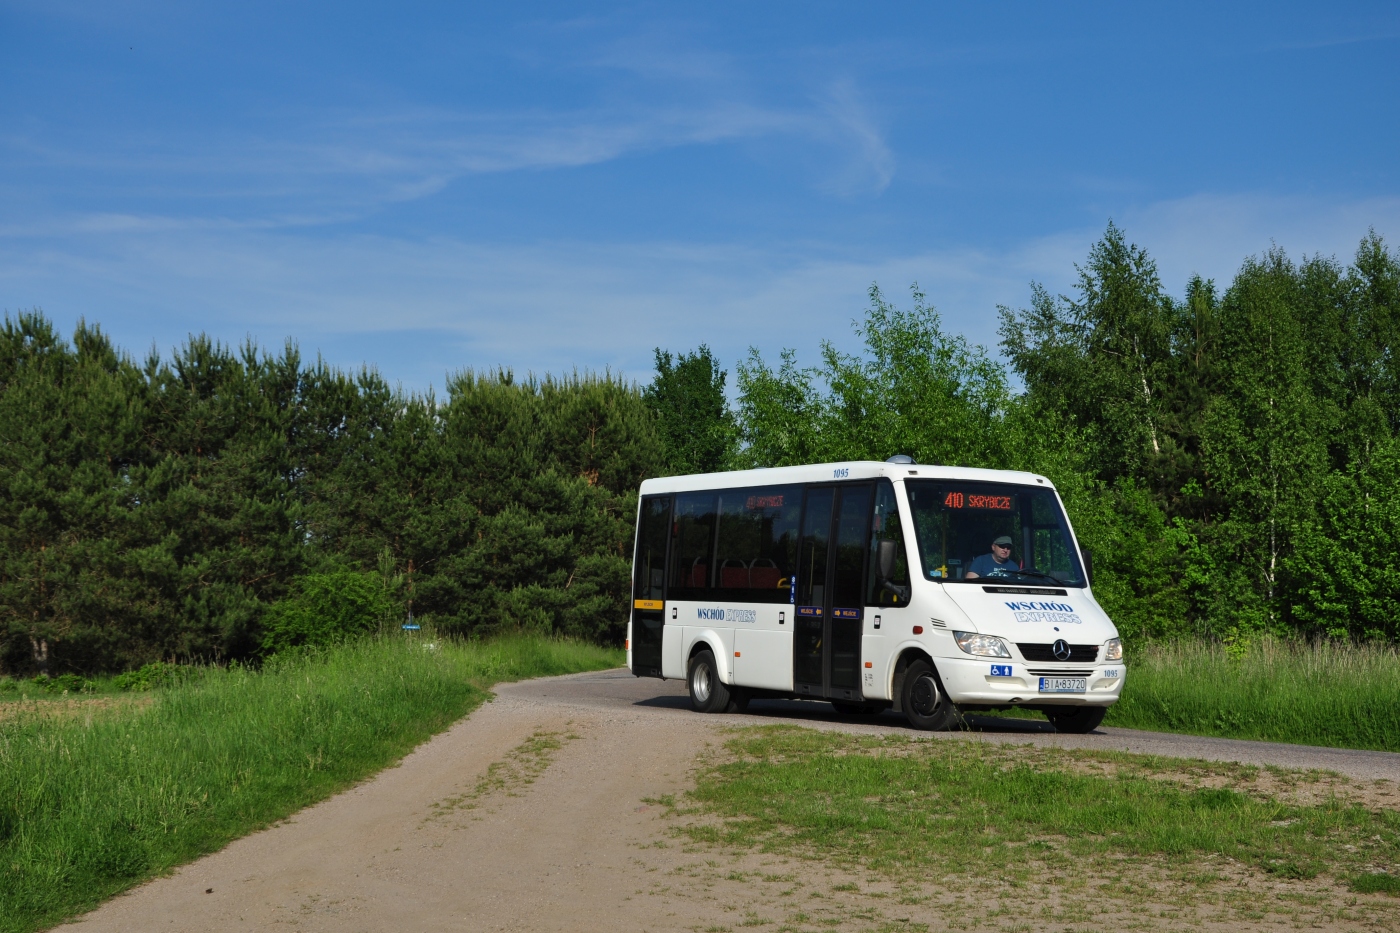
[96,799]
[915,811]
[1339,695]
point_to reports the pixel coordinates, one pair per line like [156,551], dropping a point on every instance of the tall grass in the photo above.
[1339,695]
[91,804]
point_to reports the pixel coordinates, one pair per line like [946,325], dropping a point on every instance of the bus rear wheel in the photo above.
[1076,720]
[708,694]
[925,704]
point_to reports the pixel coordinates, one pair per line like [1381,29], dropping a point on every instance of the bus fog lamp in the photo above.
[1113,650]
[986,646]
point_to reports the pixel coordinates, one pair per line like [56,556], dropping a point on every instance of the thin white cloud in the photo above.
[872,167]
[423,307]
[1210,234]
[357,163]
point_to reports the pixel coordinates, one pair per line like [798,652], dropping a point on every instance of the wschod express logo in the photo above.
[726,615]
[1042,612]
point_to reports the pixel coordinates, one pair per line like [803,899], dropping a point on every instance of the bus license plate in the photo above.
[1063,684]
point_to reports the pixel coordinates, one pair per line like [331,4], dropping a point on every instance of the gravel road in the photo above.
[442,842]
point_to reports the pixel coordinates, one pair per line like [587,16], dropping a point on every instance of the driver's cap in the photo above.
[1003,541]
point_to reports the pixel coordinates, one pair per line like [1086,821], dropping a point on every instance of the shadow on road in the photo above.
[820,711]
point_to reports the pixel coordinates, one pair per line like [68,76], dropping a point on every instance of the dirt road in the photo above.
[532,814]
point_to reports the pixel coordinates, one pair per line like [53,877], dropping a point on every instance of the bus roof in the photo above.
[827,472]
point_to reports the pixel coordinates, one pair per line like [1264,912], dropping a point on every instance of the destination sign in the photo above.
[976,500]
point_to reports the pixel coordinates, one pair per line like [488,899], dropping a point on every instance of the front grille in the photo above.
[1025,590]
[1059,673]
[1078,654]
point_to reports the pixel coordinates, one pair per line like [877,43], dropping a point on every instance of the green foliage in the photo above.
[144,510]
[325,608]
[91,806]
[692,414]
[1347,580]
[44,684]
[168,509]
[149,677]
[1376,883]
[920,391]
[917,390]
[1104,358]
[1262,424]
[1232,458]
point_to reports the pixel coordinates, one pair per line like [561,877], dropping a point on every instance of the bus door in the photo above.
[649,585]
[828,616]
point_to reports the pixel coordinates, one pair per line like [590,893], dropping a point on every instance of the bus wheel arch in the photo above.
[919,693]
[898,669]
[707,641]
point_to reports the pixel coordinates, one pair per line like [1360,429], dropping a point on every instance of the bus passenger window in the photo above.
[692,534]
[756,543]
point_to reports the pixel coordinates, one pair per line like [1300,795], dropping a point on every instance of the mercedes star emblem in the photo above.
[1061,650]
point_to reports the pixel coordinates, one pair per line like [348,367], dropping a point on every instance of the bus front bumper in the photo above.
[998,682]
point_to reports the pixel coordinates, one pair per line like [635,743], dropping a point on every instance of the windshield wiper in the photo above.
[1029,572]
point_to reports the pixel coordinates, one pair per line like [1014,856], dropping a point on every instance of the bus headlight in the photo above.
[1114,650]
[987,646]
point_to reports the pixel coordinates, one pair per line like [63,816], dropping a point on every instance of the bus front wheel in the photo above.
[1076,720]
[925,704]
[708,694]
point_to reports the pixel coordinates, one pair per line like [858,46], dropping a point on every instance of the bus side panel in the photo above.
[875,666]
[894,624]
[763,659]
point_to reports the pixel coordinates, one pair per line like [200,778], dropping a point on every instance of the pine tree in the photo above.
[692,413]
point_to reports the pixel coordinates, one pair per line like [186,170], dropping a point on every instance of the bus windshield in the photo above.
[992,532]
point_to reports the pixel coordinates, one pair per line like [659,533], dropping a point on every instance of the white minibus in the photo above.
[931,590]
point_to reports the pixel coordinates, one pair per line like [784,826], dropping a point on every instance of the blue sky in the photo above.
[428,187]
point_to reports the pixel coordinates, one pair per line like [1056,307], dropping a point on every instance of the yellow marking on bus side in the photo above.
[649,604]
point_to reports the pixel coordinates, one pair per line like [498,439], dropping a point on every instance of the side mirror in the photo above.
[884,568]
[1088,564]
[885,559]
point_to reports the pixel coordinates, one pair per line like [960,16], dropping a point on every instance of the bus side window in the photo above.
[650,562]
[756,543]
[886,527]
[692,538]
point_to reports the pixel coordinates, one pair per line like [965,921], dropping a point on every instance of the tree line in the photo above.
[1231,455]
[184,508]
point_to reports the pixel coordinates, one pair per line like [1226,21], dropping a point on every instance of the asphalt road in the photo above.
[620,689]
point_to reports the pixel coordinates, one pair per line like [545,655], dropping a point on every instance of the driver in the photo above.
[996,563]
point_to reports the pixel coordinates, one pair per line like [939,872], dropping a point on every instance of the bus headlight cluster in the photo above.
[1113,650]
[987,646]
